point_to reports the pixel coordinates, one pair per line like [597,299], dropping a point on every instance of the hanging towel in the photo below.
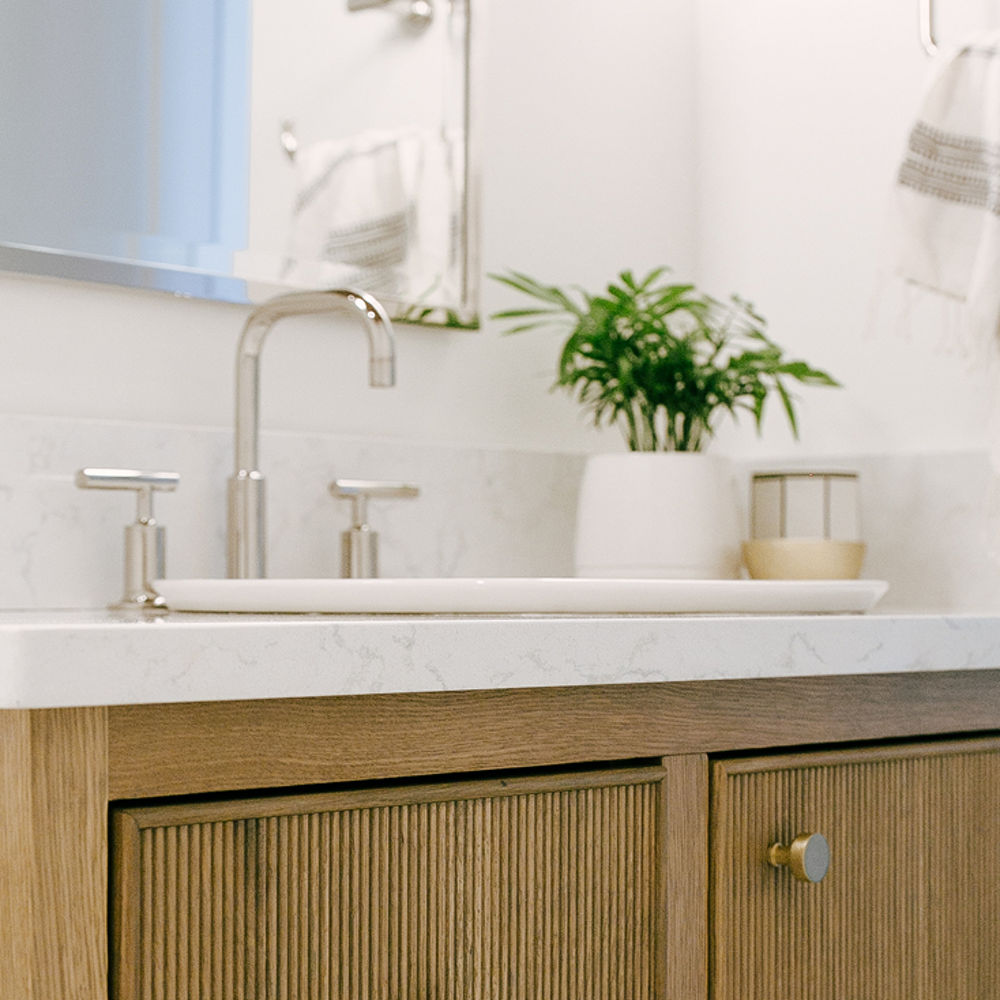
[352,217]
[948,185]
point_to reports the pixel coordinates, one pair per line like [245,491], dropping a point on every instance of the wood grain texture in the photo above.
[17,911]
[910,909]
[178,749]
[684,887]
[512,889]
[53,854]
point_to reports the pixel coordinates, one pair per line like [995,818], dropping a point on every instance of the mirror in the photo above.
[231,151]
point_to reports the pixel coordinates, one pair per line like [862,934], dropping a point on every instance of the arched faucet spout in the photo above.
[246,557]
[381,345]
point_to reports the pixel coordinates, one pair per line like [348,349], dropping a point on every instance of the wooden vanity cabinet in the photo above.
[910,906]
[580,884]
[525,887]
[604,842]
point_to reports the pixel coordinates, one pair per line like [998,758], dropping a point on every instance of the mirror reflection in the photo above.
[230,151]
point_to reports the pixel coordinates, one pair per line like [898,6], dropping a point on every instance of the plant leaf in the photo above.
[661,360]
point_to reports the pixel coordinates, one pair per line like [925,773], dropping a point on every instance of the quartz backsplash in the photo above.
[931,525]
[927,519]
[480,512]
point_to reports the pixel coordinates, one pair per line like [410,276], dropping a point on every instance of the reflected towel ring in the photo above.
[416,13]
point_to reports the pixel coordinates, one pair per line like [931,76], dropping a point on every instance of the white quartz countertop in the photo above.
[57,659]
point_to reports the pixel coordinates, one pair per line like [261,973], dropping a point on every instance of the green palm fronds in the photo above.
[661,360]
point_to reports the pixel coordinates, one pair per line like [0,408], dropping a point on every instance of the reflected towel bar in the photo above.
[416,13]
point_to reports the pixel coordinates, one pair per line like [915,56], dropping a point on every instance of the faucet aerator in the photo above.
[382,373]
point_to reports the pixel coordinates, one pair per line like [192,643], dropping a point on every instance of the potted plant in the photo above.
[663,362]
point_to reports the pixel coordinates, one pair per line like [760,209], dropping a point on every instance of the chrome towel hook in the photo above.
[416,13]
[927,39]
[289,141]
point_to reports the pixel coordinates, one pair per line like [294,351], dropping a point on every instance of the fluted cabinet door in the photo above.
[910,906]
[520,888]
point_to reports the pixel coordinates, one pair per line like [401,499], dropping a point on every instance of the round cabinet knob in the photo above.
[807,856]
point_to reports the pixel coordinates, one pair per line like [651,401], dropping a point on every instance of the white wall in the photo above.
[594,159]
[804,110]
[586,137]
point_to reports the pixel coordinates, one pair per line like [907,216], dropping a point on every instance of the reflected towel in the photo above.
[948,184]
[437,250]
[352,218]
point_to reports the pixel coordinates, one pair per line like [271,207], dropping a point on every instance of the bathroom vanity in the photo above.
[498,807]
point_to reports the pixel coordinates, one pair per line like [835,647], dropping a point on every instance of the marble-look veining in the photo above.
[480,512]
[932,526]
[94,658]
[927,518]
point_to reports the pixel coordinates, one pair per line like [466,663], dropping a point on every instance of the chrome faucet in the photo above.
[246,543]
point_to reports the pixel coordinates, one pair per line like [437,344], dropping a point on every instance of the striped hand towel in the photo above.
[948,184]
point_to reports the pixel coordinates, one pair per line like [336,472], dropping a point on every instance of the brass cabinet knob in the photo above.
[807,856]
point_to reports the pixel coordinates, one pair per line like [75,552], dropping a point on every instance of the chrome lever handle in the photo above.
[372,488]
[359,544]
[145,540]
[143,483]
[126,479]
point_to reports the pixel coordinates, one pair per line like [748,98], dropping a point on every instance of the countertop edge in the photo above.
[85,659]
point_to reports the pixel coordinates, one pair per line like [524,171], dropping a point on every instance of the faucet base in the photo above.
[245,548]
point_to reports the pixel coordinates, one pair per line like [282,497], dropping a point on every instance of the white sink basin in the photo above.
[505,595]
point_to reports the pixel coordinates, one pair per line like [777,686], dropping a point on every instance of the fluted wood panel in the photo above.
[500,890]
[910,909]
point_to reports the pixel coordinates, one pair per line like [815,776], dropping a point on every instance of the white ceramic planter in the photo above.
[663,515]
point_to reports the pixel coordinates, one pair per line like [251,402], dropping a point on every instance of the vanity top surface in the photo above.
[67,658]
